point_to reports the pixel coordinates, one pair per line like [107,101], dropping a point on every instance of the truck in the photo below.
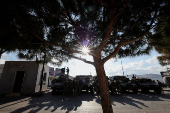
[126,84]
[58,84]
[146,84]
[86,82]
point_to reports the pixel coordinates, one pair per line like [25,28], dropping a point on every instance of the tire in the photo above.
[135,91]
[144,91]
[123,91]
[158,91]
[54,91]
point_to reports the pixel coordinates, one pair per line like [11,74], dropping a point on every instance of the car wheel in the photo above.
[135,91]
[158,91]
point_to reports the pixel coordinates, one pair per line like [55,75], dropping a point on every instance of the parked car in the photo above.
[86,81]
[126,84]
[146,84]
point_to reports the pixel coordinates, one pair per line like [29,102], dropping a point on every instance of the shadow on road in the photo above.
[48,102]
[53,103]
[135,100]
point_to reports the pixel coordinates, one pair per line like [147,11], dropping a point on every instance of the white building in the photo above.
[23,77]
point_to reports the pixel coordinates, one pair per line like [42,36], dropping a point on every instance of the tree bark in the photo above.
[104,89]
[0,55]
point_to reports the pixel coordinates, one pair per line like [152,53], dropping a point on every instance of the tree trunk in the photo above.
[104,89]
[1,52]
[0,55]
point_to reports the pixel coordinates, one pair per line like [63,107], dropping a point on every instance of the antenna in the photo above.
[122,67]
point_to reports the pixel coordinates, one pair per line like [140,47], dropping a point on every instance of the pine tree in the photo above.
[161,37]
[108,28]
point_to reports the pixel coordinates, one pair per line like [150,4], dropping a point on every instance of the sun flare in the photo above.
[85,50]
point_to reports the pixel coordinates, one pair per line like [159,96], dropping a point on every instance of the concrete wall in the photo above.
[9,73]
[45,84]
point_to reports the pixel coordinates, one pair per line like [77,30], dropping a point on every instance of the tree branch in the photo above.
[66,48]
[105,4]
[34,44]
[137,38]
[84,60]
[113,53]
[128,30]
[123,43]
[122,10]
[72,22]
[147,31]
[110,24]
[121,2]
[2,50]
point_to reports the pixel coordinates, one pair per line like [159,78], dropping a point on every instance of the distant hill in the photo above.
[150,76]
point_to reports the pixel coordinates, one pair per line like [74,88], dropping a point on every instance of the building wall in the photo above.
[49,81]
[45,84]
[9,73]
[1,69]
[51,75]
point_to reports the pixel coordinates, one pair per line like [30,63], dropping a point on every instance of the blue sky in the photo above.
[141,65]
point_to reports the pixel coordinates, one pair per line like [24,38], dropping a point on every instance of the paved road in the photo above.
[87,103]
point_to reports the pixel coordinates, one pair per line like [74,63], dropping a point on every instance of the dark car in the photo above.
[126,84]
[86,81]
[147,84]
[58,84]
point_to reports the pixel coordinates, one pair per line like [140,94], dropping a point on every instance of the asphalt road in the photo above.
[87,103]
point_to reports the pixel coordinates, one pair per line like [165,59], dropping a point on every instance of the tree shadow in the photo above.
[53,103]
[10,101]
[136,100]
[48,102]
[132,99]
[126,100]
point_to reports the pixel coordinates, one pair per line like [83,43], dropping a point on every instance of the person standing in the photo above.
[95,87]
[80,87]
[66,89]
[67,70]
[113,88]
[70,86]
[119,90]
[75,84]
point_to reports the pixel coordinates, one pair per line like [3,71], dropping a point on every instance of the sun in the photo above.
[85,50]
